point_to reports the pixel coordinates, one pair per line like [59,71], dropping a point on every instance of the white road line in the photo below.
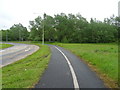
[2,50]
[27,49]
[75,82]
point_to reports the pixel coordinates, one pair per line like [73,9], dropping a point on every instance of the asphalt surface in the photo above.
[60,75]
[15,53]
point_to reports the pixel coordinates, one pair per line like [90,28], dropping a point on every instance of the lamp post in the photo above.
[43,30]
[118,22]
[19,35]
[6,36]
[43,38]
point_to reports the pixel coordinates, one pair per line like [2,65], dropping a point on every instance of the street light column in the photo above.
[43,35]
[43,30]
[6,36]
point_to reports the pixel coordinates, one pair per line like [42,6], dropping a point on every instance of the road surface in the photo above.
[65,70]
[15,53]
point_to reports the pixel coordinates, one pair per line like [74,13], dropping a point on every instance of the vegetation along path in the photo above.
[26,72]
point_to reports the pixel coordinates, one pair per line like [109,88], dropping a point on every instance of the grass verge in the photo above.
[26,73]
[3,46]
[102,58]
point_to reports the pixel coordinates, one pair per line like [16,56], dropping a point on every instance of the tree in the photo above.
[18,32]
[49,28]
[74,28]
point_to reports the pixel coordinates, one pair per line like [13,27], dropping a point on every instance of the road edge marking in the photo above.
[75,81]
[27,49]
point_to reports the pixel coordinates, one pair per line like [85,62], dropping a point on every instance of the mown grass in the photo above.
[3,46]
[0,78]
[26,73]
[103,56]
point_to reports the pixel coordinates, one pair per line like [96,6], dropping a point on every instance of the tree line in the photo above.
[65,28]
[16,33]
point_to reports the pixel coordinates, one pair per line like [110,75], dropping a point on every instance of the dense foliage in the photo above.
[66,28]
[16,33]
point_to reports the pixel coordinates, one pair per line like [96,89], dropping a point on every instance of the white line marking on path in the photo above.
[2,50]
[27,49]
[75,82]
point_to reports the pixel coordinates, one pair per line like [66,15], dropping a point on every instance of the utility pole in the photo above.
[119,9]
[19,35]
[6,36]
[118,23]
[43,30]
[43,33]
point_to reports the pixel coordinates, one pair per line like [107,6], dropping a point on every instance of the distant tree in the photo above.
[18,32]
[74,28]
[3,33]
[15,33]
[36,28]
[49,28]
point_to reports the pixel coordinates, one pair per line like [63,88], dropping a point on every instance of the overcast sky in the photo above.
[22,11]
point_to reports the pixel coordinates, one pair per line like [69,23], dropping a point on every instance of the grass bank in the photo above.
[26,73]
[102,58]
[3,46]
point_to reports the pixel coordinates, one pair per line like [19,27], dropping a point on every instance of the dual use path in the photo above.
[66,70]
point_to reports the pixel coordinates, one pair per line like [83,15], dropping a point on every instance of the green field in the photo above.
[3,46]
[103,56]
[26,73]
